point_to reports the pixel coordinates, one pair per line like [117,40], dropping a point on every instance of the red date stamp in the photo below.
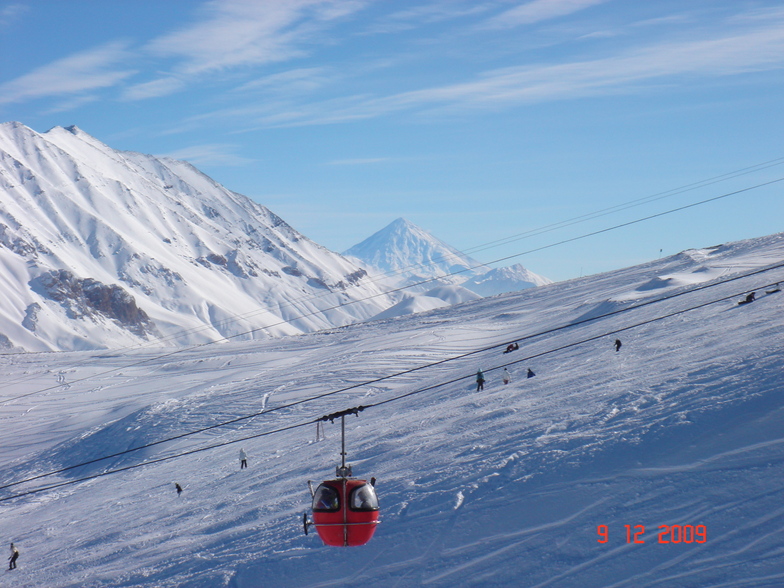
[667,533]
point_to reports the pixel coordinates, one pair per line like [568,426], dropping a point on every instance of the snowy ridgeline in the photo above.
[104,248]
[679,435]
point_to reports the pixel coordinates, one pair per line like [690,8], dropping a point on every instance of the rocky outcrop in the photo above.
[86,297]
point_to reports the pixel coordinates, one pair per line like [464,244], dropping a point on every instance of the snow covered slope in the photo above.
[102,248]
[408,253]
[513,486]
[437,297]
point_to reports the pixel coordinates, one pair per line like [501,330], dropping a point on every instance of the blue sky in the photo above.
[477,120]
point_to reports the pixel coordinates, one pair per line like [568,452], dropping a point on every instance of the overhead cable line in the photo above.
[152,461]
[570,345]
[363,407]
[627,205]
[426,281]
[447,360]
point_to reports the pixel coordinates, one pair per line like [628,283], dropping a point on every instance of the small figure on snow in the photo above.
[749,298]
[178,488]
[617,345]
[507,376]
[243,459]
[480,381]
[13,558]
[512,347]
[531,373]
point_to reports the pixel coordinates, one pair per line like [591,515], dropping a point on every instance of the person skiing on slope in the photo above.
[480,381]
[617,345]
[507,376]
[531,373]
[243,459]
[13,558]
[178,488]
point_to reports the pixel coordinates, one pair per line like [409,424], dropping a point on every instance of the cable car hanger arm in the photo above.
[335,415]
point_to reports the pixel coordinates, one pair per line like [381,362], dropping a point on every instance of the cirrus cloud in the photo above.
[240,33]
[79,73]
[687,62]
[209,154]
[539,10]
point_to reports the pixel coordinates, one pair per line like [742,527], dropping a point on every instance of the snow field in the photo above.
[504,487]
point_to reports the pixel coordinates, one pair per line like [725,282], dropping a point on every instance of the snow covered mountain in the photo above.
[656,465]
[505,279]
[409,254]
[102,248]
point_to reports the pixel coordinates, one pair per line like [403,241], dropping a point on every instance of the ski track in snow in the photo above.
[504,487]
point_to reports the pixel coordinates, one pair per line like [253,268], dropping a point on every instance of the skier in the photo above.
[749,298]
[178,488]
[480,381]
[512,347]
[617,345]
[507,377]
[531,374]
[13,558]
[243,459]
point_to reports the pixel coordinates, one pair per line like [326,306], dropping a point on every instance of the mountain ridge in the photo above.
[409,254]
[201,261]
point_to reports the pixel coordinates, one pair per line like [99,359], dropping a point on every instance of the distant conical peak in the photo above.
[402,225]
[406,249]
[402,222]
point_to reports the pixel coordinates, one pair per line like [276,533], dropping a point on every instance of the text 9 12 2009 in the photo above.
[667,534]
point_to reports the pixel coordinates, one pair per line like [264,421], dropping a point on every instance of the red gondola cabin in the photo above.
[345,512]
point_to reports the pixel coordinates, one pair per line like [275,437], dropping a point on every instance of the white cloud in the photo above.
[236,34]
[417,16]
[294,81]
[11,12]
[154,89]
[71,104]
[78,73]
[757,50]
[240,33]
[538,11]
[209,154]
[685,62]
